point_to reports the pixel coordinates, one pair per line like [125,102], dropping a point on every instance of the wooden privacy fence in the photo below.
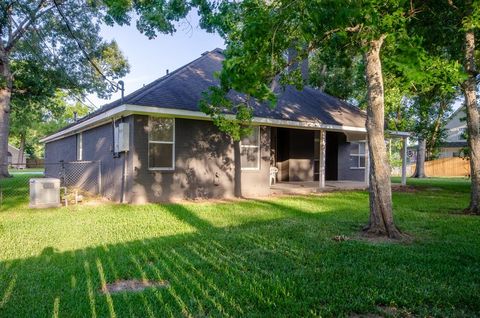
[447,167]
[35,163]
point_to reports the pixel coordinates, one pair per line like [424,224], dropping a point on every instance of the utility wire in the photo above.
[43,45]
[41,59]
[80,46]
[72,93]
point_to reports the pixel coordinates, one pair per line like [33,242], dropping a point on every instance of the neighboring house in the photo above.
[412,154]
[456,127]
[14,158]
[156,145]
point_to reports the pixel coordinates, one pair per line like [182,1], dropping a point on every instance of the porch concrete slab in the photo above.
[308,187]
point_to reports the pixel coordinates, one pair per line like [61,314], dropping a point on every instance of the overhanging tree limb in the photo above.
[25,24]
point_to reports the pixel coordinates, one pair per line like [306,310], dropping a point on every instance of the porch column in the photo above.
[404,161]
[321,163]
[367,164]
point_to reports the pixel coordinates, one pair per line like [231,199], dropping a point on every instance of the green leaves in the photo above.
[232,118]
[114,65]
[152,16]
[34,117]
[60,50]
[471,20]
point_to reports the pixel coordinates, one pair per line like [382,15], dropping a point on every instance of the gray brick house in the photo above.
[156,145]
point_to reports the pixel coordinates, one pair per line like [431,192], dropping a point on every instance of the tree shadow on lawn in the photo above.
[282,267]
[435,184]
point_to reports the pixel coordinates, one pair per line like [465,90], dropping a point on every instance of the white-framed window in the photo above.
[357,155]
[250,150]
[79,147]
[161,143]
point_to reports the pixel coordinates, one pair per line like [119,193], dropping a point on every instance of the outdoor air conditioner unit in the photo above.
[44,193]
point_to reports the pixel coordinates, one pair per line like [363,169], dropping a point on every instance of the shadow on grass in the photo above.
[282,267]
[206,278]
[181,213]
[460,185]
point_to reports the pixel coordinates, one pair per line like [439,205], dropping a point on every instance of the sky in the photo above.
[149,59]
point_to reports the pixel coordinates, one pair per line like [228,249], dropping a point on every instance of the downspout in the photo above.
[124,177]
[124,173]
[117,155]
[114,153]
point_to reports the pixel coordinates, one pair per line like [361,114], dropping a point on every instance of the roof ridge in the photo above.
[144,90]
[456,111]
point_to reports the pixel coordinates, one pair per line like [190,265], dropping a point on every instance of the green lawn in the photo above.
[272,257]
[26,170]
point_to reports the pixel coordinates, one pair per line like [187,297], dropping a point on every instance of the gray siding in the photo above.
[204,166]
[97,146]
[64,149]
[346,162]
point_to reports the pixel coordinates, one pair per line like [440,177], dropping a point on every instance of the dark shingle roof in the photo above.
[183,88]
[454,144]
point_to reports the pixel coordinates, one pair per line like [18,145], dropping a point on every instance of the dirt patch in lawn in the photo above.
[404,238]
[406,188]
[340,238]
[413,189]
[133,285]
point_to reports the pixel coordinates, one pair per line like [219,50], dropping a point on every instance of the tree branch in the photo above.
[9,14]
[25,24]
[450,2]
[355,28]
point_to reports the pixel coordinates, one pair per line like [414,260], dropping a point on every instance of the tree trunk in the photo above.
[238,169]
[6,83]
[21,153]
[473,122]
[381,214]
[421,153]
[323,73]
[436,128]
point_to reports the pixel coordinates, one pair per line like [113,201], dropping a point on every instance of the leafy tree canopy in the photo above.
[47,46]
[62,37]
[44,117]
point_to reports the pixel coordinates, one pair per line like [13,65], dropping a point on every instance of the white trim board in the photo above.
[15,148]
[128,109]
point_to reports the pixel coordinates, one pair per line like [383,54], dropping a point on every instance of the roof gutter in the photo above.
[84,125]
[128,109]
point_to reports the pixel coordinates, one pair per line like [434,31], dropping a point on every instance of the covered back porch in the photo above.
[315,160]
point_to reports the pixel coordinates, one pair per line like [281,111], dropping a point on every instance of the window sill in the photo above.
[357,168]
